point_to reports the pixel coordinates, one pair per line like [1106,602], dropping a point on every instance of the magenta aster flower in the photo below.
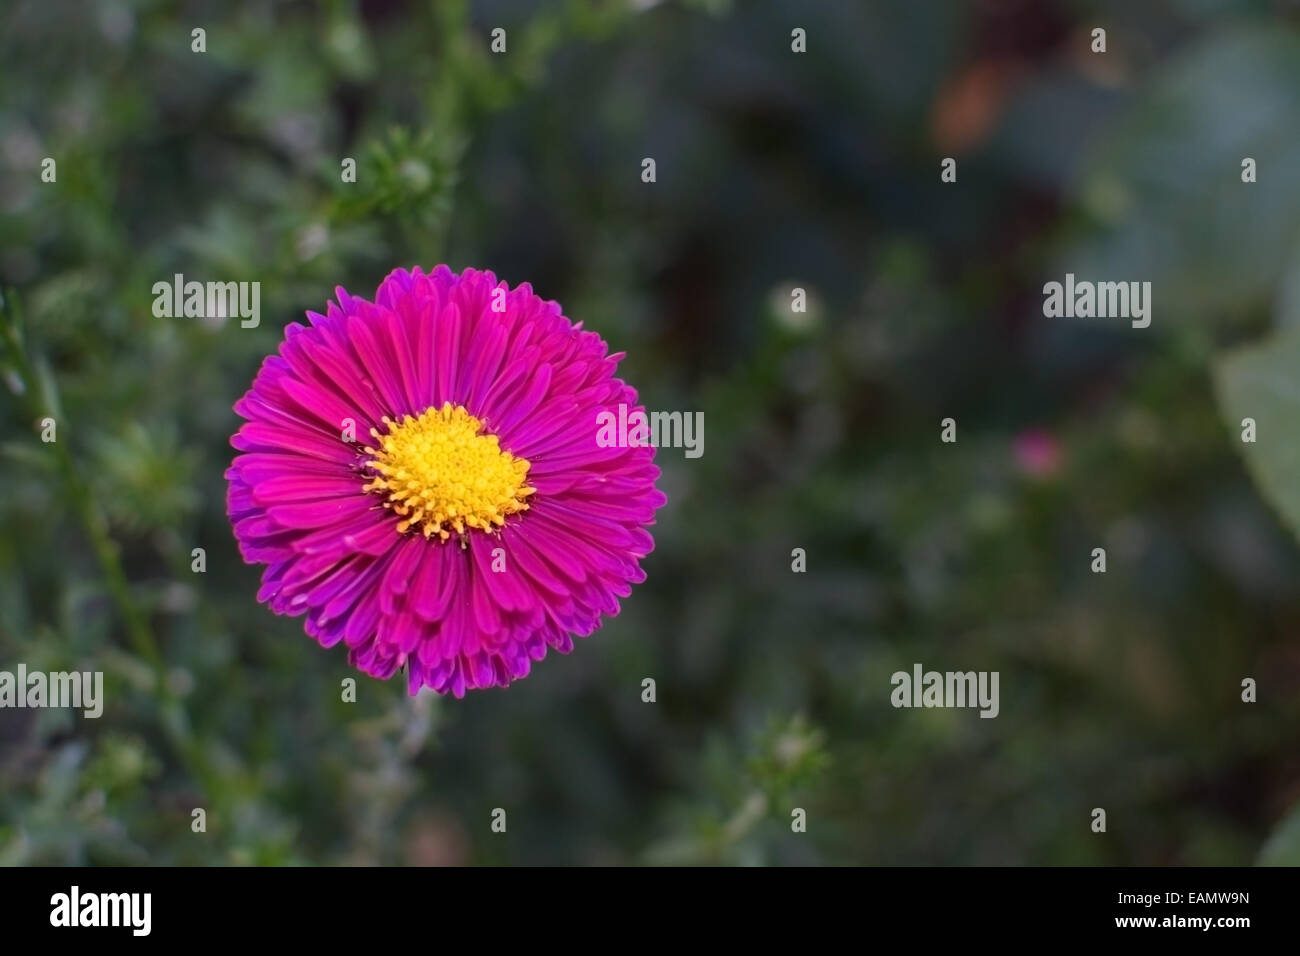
[474,520]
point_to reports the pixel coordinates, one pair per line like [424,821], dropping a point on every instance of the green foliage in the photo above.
[1260,382]
[775,169]
[1164,187]
[1283,847]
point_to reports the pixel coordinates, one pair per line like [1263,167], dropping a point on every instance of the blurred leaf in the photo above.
[1283,847]
[1165,185]
[34,456]
[1261,382]
[144,475]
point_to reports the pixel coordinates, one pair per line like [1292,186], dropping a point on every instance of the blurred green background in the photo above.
[774,170]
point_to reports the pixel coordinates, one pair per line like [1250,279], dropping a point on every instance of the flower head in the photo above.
[1037,452]
[421,477]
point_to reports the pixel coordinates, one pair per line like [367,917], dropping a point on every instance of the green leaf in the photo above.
[1262,382]
[1283,847]
[1165,190]
[28,455]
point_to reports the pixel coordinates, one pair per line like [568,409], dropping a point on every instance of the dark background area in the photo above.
[775,170]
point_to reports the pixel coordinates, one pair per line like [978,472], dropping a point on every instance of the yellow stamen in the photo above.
[441,473]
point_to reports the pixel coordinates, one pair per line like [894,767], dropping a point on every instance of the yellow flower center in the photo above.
[441,472]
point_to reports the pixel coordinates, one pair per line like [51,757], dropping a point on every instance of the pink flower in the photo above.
[1037,453]
[421,478]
